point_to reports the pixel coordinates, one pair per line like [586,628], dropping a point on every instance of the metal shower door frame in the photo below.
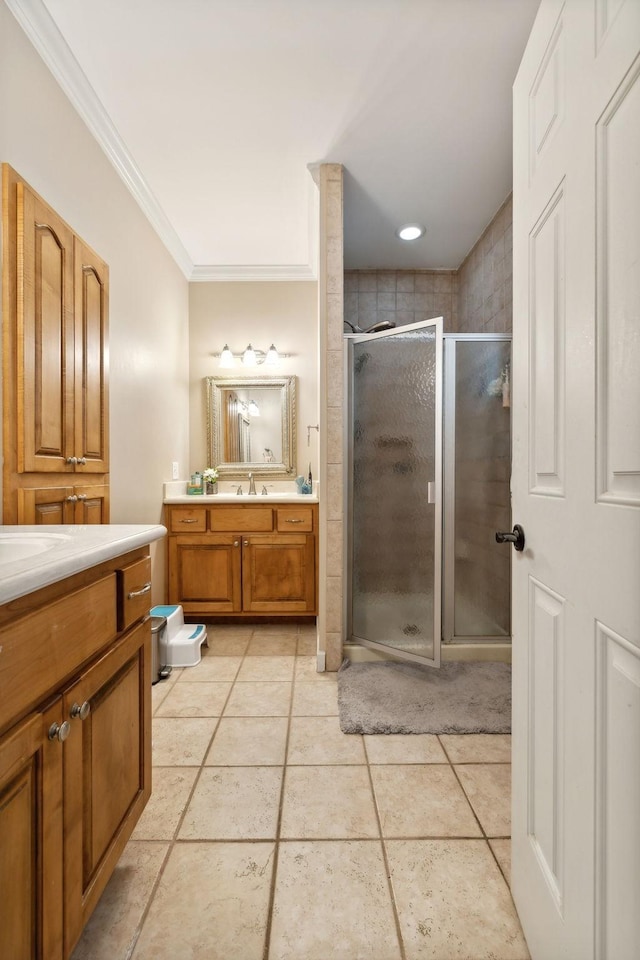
[436,498]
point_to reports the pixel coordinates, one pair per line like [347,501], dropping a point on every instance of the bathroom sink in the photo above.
[21,546]
[258,498]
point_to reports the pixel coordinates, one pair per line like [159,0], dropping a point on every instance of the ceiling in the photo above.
[213,112]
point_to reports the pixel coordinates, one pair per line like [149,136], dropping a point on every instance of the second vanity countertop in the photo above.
[174,492]
[32,557]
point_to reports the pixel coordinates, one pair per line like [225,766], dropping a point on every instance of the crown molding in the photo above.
[202,273]
[42,31]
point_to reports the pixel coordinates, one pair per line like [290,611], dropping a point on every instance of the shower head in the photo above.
[374,328]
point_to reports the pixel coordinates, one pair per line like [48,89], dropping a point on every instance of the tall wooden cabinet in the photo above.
[55,367]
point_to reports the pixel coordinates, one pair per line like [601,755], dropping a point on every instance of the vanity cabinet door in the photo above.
[205,573]
[92,505]
[48,505]
[278,573]
[107,770]
[31,904]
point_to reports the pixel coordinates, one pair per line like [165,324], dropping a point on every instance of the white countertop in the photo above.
[271,498]
[63,551]
[283,491]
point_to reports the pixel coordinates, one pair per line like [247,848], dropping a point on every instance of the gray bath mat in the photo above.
[390,697]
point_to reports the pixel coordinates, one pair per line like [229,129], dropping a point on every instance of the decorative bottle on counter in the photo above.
[194,487]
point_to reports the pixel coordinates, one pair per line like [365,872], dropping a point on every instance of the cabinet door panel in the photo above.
[278,573]
[44,337]
[93,503]
[31,840]
[91,387]
[205,573]
[107,770]
[48,505]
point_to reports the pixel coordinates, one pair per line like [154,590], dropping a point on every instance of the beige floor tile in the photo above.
[181,741]
[328,802]
[273,646]
[315,700]
[332,903]
[287,629]
[211,903]
[266,668]
[249,741]
[488,787]
[502,851]
[259,699]
[212,669]
[422,801]
[229,631]
[227,646]
[234,803]
[160,690]
[114,923]
[307,645]
[170,789]
[195,700]
[404,748]
[319,740]
[453,902]
[306,671]
[477,747]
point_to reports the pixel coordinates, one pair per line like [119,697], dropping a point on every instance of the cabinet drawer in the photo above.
[187,520]
[38,651]
[134,592]
[241,519]
[295,519]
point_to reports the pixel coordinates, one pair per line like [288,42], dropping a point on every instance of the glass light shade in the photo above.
[410,231]
[249,357]
[254,409]
[273,357]
[226,357]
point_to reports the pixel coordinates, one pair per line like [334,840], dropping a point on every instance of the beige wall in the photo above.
[44,139]
[257,313]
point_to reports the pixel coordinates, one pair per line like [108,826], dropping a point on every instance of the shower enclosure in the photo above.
[428,485]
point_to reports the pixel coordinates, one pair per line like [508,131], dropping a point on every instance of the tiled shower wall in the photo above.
[476,298]
[485,279]
[401,296]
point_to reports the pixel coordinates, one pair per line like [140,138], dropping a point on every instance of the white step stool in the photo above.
[179,643]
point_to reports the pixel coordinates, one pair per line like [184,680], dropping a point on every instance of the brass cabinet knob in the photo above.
[80,711]
[59,731]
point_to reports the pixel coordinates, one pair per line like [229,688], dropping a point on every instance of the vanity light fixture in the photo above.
[411,231]
[226,357]
[250,357]
[253,409]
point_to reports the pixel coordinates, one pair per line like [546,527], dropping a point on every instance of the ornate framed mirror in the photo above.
[251,426]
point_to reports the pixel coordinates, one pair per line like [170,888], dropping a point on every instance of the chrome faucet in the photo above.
[252,485]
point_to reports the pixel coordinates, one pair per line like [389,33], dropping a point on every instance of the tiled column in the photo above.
[331,308]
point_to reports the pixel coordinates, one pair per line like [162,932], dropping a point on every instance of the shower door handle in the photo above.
[516,538]
[431,491]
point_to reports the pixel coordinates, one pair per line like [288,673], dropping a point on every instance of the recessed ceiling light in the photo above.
[410,231]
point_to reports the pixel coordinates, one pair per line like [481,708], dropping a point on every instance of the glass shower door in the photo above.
[395,490]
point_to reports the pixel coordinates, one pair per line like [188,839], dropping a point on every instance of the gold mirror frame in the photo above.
[282,470]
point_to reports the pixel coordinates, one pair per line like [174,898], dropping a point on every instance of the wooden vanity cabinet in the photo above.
[75,749]
[245,560]
[86,503]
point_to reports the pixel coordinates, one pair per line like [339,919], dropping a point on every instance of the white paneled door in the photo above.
[576,482]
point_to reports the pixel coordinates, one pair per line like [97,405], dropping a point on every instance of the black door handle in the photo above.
[516,538]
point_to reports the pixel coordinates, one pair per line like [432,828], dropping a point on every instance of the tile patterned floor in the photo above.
[271,835]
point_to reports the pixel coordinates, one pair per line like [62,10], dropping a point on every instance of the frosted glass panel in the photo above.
[394,445]
[482,503]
